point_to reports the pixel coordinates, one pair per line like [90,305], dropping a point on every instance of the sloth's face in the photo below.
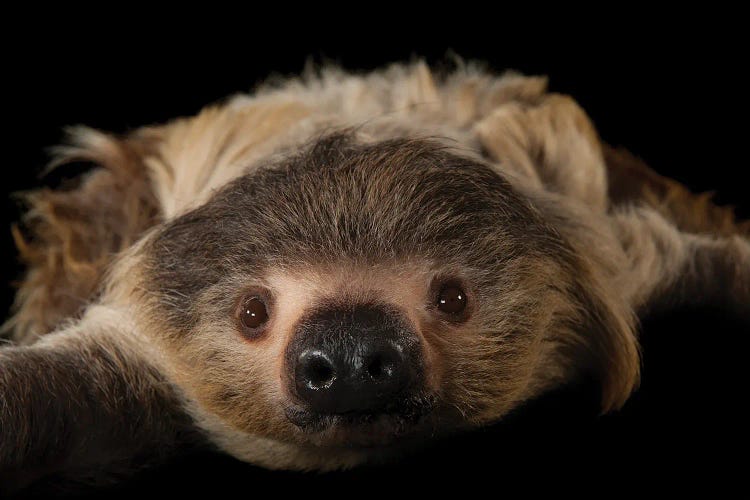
[357,298]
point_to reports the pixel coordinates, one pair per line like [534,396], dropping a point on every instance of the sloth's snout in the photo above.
[363,360]
[351,377]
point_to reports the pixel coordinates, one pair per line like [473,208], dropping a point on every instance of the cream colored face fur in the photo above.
[244,195]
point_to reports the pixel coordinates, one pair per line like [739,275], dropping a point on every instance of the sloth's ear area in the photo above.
[551,144]
[69,235]
[602,336]
[612,343]
[81,399]
[594,328]
[666,267]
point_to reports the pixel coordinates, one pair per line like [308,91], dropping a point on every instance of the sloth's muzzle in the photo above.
[354,361]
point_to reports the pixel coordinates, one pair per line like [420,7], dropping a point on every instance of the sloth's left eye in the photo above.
[451,300]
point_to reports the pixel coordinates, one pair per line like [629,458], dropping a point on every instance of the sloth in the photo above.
[337,268]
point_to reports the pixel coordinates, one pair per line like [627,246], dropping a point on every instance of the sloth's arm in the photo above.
[81,400]
[667,267]
[682,248]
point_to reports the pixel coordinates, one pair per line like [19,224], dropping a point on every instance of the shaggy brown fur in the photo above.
[631,181]
[71,236]
[338,191]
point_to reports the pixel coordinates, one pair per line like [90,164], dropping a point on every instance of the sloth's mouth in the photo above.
[364,429]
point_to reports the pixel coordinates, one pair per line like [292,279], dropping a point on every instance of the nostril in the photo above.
[380,368]
[320,375]
[375,368]
[317,372]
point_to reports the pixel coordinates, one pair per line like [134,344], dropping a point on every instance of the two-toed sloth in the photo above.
[338,267]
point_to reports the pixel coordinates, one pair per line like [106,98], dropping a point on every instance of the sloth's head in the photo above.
[345,301]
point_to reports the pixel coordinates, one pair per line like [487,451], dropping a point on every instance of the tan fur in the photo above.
[624,239]
[551,142]
[199,155]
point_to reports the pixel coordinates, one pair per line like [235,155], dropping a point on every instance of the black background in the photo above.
[671,90]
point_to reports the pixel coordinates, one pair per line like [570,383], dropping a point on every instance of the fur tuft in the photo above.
[69,237]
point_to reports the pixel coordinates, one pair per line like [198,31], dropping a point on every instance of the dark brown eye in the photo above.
[452,300]
[253,313]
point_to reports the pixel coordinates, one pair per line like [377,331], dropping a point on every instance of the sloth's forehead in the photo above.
[339,200]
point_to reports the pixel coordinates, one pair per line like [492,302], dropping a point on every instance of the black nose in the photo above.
[360,360]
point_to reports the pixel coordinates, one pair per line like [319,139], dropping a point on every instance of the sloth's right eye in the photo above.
[253,313]
[449,299]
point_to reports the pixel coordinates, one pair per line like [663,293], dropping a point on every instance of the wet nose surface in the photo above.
[354,362]
[343,382]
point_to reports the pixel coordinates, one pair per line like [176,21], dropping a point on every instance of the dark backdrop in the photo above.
[672,92]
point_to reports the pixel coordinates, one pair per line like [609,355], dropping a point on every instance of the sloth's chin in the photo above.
[363,430]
